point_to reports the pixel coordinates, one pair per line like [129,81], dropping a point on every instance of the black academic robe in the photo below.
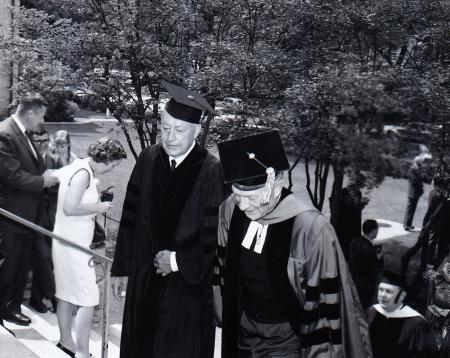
[171,316]
[400,336]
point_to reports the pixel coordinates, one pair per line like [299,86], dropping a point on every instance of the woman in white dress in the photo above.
[78,204]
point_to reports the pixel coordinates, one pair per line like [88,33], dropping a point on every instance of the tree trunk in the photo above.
[335,198]
[206,130]
[317,194]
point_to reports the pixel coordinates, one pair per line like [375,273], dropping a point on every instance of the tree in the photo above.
[117,50]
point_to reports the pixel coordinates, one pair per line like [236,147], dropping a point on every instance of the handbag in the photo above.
[99,235]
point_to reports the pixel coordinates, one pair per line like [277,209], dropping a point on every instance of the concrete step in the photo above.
[12,347]
[42,335]
[116,331]
[39,339]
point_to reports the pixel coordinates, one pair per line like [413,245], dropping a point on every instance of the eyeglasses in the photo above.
[40,141]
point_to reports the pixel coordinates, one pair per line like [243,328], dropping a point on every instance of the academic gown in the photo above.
[402,333]
[171,316]
[309,275]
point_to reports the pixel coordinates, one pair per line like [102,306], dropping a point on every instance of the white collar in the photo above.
[402,312]
[180,158]
[19,124]
[258,230]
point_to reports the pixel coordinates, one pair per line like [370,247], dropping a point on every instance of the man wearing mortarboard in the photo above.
[397,330]
[167,239]
[285,289]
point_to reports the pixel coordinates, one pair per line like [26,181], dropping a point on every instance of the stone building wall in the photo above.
[5,67]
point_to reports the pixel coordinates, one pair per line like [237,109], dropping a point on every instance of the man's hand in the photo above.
[429,273]
[162,262]
[119,287]
[49,179]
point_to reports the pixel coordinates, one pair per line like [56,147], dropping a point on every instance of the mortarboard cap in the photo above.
[245,160]
[186,105]
[394,279]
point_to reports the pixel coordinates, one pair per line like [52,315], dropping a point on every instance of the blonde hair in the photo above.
[62,136]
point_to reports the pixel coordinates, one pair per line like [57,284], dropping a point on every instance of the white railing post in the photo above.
[105,309]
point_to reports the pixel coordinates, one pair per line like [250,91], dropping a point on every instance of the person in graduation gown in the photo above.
[167,240]
[282,286]
[397,330]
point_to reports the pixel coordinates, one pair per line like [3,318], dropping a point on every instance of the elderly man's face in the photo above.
[250,202]
[387,296]
[177,135]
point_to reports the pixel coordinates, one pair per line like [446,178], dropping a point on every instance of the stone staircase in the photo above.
[39,339]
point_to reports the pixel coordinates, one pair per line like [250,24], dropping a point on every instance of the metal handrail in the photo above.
[104,261]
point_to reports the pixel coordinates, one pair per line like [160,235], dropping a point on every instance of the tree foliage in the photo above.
[352,85]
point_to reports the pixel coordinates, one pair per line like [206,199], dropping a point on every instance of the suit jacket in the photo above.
[21,181]
[50,197]
[415,183]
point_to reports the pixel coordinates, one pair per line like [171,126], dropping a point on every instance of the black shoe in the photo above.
[38,305]
[66,350]
[17,318]
[409,228]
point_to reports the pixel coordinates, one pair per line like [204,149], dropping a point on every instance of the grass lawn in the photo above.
[386,202]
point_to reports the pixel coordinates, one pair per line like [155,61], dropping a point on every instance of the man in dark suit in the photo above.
[22,180]
[365,262]
[43,285]
[415,190]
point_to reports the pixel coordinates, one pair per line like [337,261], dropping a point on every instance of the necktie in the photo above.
[173,164]
[30,141]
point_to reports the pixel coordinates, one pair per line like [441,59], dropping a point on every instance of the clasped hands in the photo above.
[162,262]
[49,178]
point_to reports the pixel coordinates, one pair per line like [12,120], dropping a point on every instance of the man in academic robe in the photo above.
[397,330]
[364,262]
[285,290]
[167,240]
[22,181]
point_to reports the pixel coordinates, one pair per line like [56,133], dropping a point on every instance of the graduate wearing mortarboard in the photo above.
[285,289]
[167,239]
[396,329]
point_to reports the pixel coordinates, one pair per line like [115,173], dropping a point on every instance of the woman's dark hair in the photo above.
[106,150]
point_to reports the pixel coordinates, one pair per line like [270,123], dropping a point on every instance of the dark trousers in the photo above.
[410,210]
[262,340]
[14,271]
[41,263]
